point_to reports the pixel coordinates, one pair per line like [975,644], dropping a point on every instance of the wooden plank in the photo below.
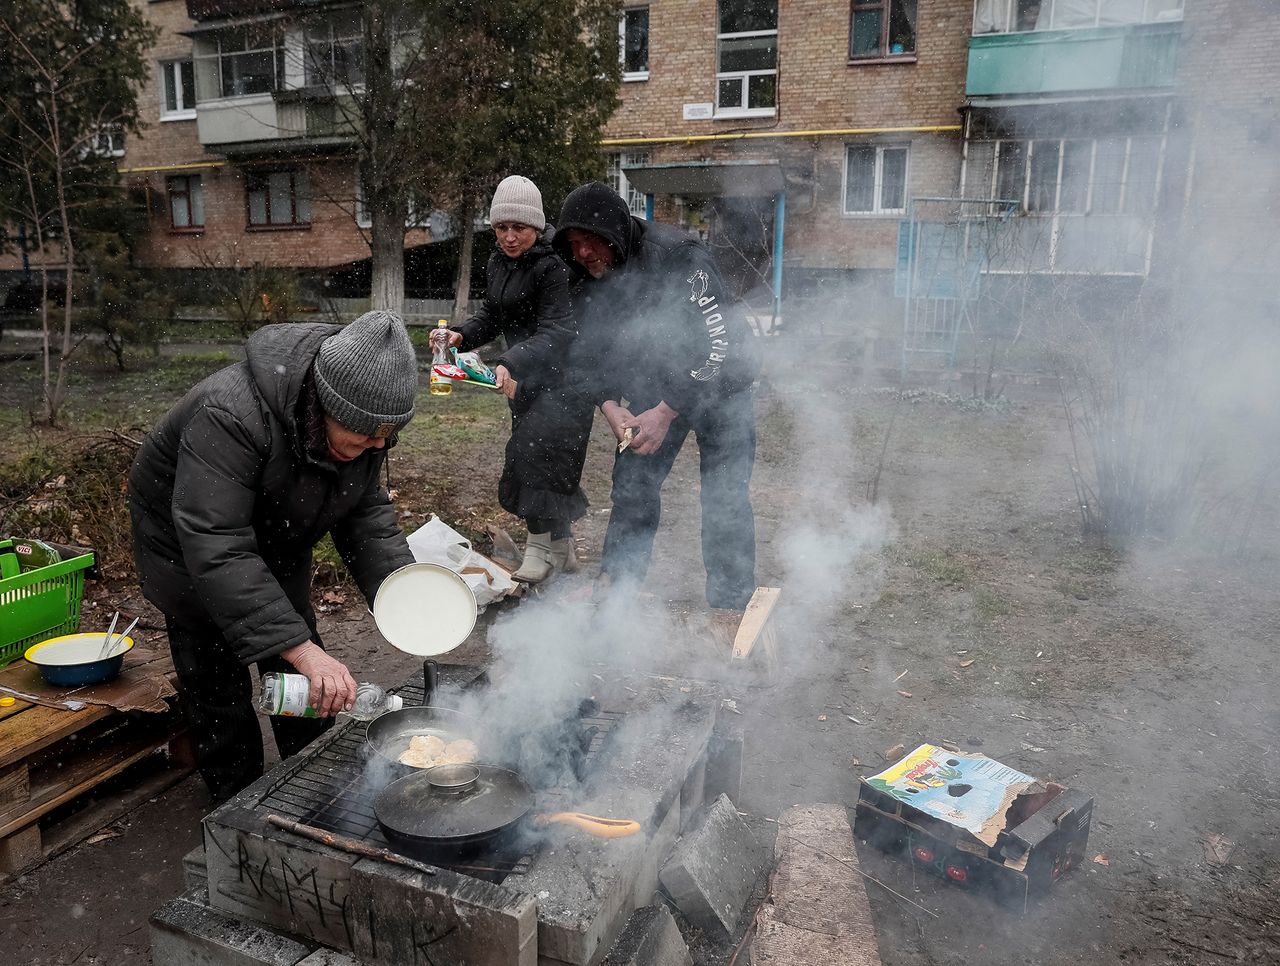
[24,734]
[50,791]
[21,851]
[15,786]
[756,627]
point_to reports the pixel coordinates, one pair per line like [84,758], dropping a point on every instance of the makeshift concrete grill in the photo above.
[336,790]
[559,897]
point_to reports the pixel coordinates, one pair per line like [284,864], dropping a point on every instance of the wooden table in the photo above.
[52,759]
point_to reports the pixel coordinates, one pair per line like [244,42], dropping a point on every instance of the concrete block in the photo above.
[819,912]
[651,938]
[713,869]
[691,793]
[724,760]
[329,957]
[195,873]
[661,843]
[400,916]
[186,932]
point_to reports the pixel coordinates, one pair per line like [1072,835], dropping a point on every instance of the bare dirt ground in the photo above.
[1146,679]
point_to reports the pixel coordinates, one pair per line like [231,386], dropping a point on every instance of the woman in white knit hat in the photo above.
[527,300]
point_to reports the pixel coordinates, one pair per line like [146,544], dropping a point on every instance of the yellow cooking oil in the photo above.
[440,386]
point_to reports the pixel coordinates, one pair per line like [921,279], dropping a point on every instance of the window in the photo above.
[747,57]
[248,61]
[633,42]
[335,53]
[882,28]
[278,199]
[178,90]
[875,179]
[106,141]
[1011,16]
[1102,176]
[635,200]
[186,202]
[418,215]
[1090,202]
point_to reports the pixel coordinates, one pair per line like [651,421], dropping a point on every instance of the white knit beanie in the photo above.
[517,199]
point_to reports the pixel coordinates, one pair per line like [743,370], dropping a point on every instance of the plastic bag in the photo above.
[438,543]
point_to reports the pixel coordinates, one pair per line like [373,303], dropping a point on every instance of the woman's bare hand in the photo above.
[506,385]
[332,687]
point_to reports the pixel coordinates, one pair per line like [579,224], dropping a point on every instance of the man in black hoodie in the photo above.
[663,353]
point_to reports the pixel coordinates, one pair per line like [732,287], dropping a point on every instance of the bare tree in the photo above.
[69,79]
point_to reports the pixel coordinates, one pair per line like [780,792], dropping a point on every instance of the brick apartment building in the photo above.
[741,117]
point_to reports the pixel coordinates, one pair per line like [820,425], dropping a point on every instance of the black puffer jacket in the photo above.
[227,502]
[658,325]
[527,300]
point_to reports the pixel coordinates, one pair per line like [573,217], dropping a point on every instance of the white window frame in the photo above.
[1005,10]
[1055,216]
[338,35]
[744,80]
[637,201]
[106,141]
[285,63]
[877,180]
[171,78]
[633,75]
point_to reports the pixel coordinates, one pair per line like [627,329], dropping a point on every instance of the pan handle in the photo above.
[430,679]
[601,828]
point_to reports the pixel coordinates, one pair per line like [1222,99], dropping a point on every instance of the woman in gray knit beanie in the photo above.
[527,301]
[228,497]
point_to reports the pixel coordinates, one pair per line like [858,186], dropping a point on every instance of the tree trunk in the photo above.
[386,243]
[462,291]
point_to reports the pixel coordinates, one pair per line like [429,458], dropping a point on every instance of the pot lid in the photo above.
[453,802]
[424,609]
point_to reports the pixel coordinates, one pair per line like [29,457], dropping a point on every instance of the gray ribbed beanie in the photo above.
[517,199]
[367,375]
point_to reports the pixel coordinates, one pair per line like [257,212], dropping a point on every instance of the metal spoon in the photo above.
[106,641]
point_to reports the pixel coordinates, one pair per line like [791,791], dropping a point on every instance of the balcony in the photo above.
[216,9]
[1134,57]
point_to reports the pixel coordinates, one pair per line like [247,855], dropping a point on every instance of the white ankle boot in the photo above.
[539,559]
[563,557]
[544,557]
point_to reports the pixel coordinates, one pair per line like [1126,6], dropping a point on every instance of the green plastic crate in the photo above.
[40,604]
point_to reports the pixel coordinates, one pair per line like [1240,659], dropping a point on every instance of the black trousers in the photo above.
[218,701]
[726,435]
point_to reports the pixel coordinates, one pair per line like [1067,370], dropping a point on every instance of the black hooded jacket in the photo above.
[527,300]
[228,500]
[658,325]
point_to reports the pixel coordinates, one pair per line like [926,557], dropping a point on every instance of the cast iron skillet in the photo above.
[454,811]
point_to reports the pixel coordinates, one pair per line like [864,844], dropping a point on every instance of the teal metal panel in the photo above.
[1133,57]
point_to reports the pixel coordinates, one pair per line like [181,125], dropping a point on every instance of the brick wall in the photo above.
[1229,84]
[174,146]
[819,89]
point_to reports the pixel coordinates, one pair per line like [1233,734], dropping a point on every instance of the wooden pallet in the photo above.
[52,758]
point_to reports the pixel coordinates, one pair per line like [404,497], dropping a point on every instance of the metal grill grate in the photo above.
[329,791]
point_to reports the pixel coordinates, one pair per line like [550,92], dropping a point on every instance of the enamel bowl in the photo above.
[72,660]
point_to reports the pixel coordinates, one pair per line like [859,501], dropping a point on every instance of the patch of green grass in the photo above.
[1095,563]
[944,566]
[465,417]
[988,605]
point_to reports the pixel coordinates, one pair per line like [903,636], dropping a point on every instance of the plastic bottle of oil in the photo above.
[440,385]
[287,695]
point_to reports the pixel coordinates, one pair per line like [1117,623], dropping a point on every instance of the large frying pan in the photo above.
[453,811]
